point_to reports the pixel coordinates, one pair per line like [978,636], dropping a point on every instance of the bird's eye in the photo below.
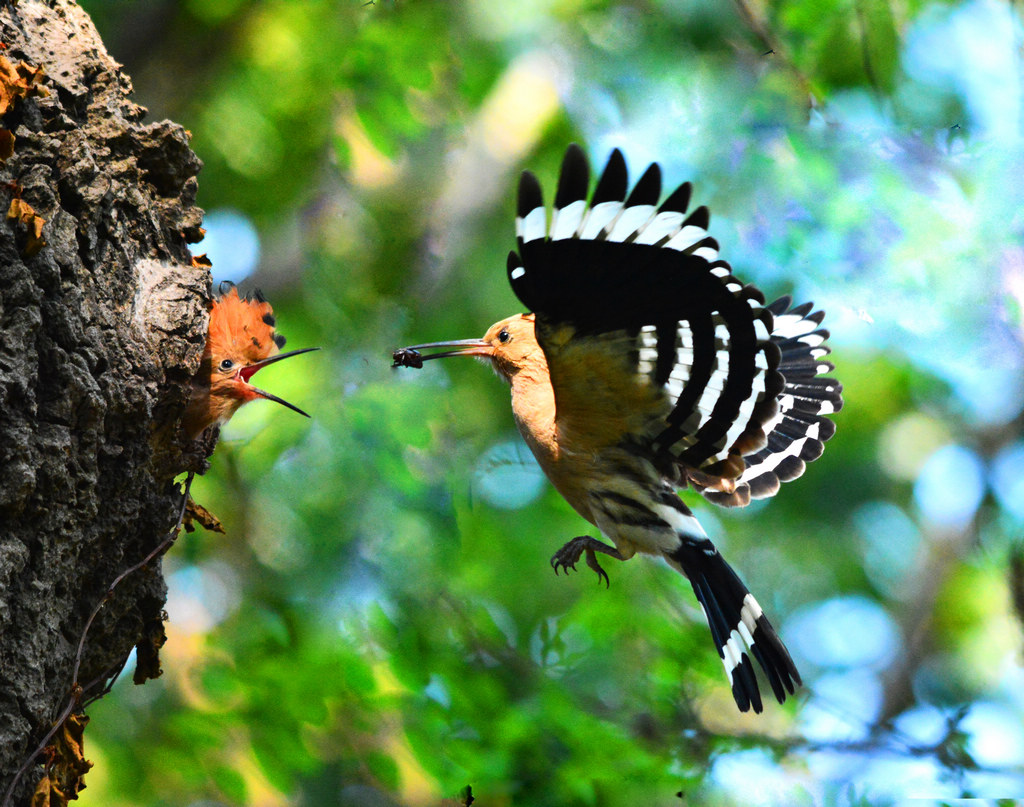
[504,336]
[226,365]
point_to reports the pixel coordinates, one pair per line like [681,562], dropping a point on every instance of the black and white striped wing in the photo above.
[624,264]
[799,430]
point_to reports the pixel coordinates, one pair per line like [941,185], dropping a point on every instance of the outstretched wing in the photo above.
[641,285]
[797,433]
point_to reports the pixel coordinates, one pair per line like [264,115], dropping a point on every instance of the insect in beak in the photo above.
[248,371]
[411,357]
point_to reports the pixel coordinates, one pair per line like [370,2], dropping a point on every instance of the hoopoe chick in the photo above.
[646,367]
[241,341]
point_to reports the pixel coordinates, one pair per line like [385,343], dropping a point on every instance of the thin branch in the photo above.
[773,46]
[944,751]
[76,690]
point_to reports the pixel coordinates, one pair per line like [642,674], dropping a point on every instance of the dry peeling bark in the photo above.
[100,331]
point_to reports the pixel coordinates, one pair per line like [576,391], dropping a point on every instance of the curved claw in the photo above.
[558,562]
[567,557]
[601,573]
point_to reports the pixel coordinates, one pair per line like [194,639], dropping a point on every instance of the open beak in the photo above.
[411,357]
[247,372]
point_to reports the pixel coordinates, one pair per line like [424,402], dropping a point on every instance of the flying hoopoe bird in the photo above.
[241,341]
[646,366]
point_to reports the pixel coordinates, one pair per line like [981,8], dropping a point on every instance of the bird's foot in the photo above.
[568,555]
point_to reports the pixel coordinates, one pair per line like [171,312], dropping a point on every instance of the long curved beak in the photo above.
[247,372]
[411,357]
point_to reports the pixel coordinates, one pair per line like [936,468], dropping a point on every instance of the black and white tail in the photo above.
[739,627]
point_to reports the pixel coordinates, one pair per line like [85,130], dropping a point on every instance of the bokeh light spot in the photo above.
[905,444]
[507,476]
[844,632]
[1007,478]
[232,245]
[200,597]
[890,541]
[996,735]
[950,486]
[843,707]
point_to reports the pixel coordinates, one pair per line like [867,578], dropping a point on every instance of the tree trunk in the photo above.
[102,324]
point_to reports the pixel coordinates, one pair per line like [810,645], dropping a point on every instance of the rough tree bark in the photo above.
[101,329]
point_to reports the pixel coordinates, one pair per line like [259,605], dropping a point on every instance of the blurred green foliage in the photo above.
[380,626]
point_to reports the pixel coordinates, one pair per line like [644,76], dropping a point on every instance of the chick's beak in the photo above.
[248,371]
[411,357]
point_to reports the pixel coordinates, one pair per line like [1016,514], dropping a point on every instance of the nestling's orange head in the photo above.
[241,340]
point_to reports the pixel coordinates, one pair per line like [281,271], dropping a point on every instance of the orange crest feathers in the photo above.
[242,327]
